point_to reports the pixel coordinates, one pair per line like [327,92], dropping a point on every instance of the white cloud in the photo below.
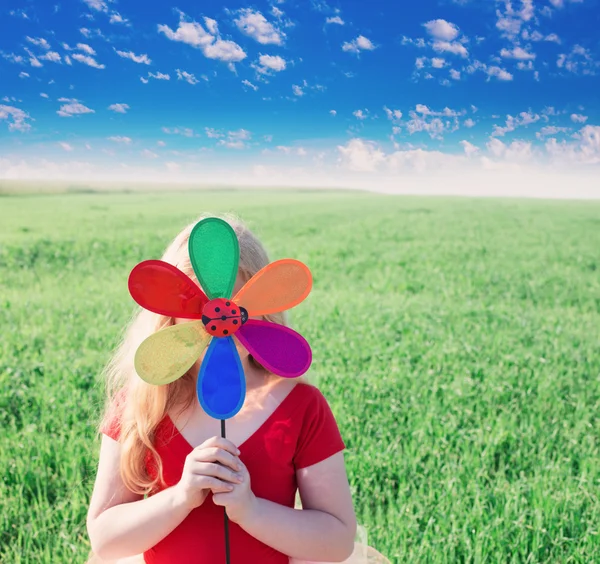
[517,53]
[522,120]
[83,47]
[213,133]
[392,115]
[73,107]
[33,60]
[267,64]
[156,76]
[90,32]
[468,123]
[98,5]
[584,150]
[119,108]
[17,59]
[499,73]
[212,46]
[19,13]
[116,18]
[360,155]
[361,43]
[44,95]
[469,148]
[578,118]
[212,26]
[359,114]
[253,24]
[579,60]
[450,47]
[149,154]
[66,146]
[141,59]
[87,60]
[188,77]
[249,85]
[527,10]
[173,166]
[419,42]
[441,29]
[454,74]
[299,151]
[16,117]
[438,63]
[185,131]
[447,112]
[297,90]
[39,41]
[335,20]
[517,151]
[161,143]
[561,3]
[52,56]
[333,112]
[23,74]
[236,139]
[550,130]
[120,139]
[434,127]
[525,66]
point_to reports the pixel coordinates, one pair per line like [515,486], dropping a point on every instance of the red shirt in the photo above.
[299,433]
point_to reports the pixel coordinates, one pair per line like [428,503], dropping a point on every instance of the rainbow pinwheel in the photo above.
[169,353]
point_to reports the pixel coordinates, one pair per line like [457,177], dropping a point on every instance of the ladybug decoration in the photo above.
[222,317]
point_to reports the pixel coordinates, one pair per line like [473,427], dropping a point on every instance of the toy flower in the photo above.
[218,318]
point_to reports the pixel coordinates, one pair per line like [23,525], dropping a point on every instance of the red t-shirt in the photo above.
[299,433]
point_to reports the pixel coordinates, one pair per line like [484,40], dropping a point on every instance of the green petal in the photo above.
[215,254]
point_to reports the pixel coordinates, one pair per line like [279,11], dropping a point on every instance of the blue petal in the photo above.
[221,383]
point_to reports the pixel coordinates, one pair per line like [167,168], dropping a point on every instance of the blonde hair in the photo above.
[138,406]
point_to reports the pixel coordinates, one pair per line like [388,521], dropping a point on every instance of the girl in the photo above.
[165,474]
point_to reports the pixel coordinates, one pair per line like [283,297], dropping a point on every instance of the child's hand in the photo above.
[212,466]
[240,501]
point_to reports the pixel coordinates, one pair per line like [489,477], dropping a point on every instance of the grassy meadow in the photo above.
[457,341]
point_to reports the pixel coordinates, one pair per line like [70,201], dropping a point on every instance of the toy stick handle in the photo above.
[225,518]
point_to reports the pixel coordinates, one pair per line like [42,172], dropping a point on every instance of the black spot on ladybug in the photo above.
[214,327]
[225,331]
[227,304]
[223,317]
[235,321]
[233,311]
[205,319]
[217,309]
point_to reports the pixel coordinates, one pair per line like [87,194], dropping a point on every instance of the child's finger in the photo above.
[220,442]
[217,470]
[217,455]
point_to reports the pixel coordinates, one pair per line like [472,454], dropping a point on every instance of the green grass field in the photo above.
[457,340]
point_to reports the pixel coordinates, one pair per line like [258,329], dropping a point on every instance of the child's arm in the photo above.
[122,524]
[324,530]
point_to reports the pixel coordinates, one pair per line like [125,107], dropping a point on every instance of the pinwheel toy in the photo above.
[216,318]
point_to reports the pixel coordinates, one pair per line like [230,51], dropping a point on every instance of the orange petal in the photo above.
[280,285]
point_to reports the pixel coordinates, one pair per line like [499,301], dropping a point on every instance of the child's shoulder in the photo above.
[309,396]
[319,434]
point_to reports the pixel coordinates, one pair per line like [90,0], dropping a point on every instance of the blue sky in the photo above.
[314,90]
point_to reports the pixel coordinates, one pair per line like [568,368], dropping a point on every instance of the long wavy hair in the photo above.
[138,406]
